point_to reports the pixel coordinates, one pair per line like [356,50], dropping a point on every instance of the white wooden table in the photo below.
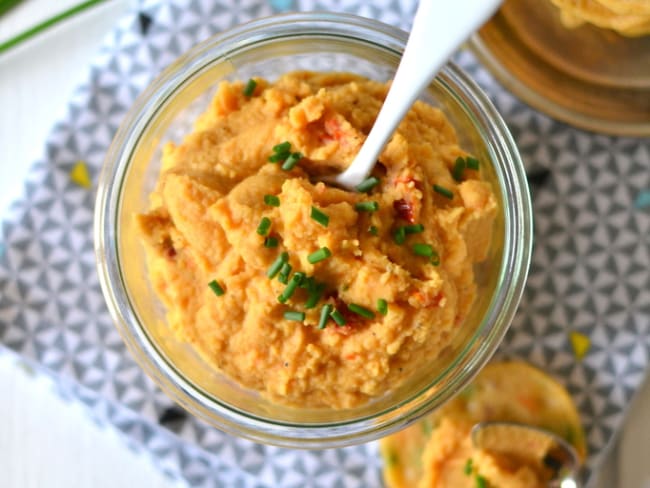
[45,442]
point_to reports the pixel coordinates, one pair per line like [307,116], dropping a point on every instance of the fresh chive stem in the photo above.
[283,147]
[373,230]
[324,315]
[315,294]
[264,226]
[400,235]
[285,271]
[277,265]
[291,161]
[294,315]
[272,200]
[435,258]
[413,229]
[382,306]
[425,250]
[459,168]
[445,192]
[367,184]
[288,292]
[216,288]
[338,317]
[360,310]
[249,89]
[319,216]
[472,163]
[366,206]
[271,242]
[320,255]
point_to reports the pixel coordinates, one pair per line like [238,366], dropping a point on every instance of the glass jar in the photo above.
[165,111]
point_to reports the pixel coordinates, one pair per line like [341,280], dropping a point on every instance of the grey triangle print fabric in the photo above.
[584,317]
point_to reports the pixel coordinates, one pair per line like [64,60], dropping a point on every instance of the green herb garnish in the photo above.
[435,258]
[272,200]
[321,217]
[270,241]
[324,315]
[467,469]
[280,152]
[382,306]
[373,230]
[367,184]
[481,482]
[338,317]
[295,281]
[459,167]
[315,293]
[366,206]
[216,288]
[264,226]
[294,315]
[445,192]
[291,161]
[359,310]
[413,229]
[285,271]
[249,89]
[472,163]
[277,265]
[425,250]
[400,235]
[320,255]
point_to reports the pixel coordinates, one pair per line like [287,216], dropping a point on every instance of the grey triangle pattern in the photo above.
[590,272]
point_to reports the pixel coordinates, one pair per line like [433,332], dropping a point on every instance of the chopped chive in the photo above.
[359,310]
[285,271]
[481,482]
[249,89]
[277,157]
[294,315]
[399,236]
[445,192]
[319,216]
[435,258]
[271,242]
[272,200]
[324,315]
[216,288]
[413,229]
[264,226]
[315,294]
[277,265]
[338,317]
[459,167]
[367,184]
[373,230]
[366,206]
[468,467]
[283,147]
[320,255]
[472,163]
[425,250]
[291,161]
[382,306]
[295,281]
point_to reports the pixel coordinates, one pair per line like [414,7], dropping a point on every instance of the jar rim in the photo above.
[513,270]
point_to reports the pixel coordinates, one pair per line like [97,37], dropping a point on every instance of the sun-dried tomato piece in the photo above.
[405,210]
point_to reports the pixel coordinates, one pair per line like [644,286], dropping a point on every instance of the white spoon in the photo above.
[438,29]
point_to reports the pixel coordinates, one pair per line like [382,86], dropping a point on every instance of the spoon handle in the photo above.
[438,29]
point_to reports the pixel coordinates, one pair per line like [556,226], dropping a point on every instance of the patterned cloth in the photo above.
[584,317]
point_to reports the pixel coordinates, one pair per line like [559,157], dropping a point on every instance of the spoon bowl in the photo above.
[529,444]
[435,35]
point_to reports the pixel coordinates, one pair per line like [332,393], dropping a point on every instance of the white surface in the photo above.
[45,442]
